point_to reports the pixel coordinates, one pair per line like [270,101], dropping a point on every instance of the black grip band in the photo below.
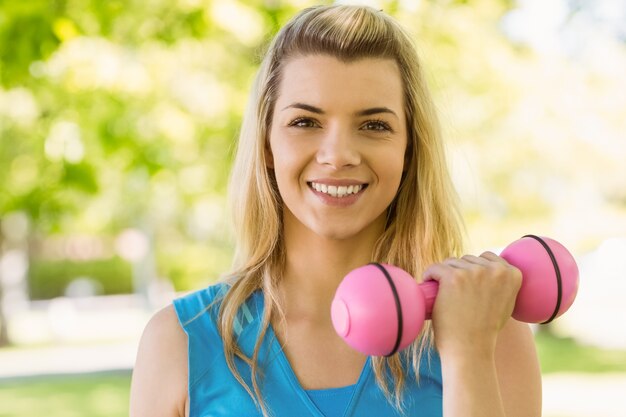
[396,298]
[557,271]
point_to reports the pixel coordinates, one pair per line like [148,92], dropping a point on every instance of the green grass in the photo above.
[107,394]
[558,354]
[91,395]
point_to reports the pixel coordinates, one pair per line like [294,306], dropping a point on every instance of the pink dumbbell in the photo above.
[379,309]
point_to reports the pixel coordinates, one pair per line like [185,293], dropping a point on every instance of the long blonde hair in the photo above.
[424,225]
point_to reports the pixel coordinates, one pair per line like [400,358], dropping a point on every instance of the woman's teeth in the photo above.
[336,191]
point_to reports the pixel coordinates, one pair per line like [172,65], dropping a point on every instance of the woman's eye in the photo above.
[377,125]
[302,122]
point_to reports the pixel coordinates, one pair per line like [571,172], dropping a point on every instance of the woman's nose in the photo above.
[338,148]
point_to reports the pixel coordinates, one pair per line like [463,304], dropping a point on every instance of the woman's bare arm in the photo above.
[519,374]
[489,362]
[159,382]
[504,382]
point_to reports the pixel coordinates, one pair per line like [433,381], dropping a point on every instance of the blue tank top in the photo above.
[214,391]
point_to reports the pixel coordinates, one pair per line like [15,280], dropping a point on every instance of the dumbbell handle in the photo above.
[429,290]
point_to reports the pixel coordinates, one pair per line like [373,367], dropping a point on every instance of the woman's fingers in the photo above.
[437,271]
[490,256]
[487,264]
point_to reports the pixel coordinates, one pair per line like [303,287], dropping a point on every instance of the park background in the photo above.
[117,129]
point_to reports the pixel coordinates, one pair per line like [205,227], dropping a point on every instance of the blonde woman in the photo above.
[339,163]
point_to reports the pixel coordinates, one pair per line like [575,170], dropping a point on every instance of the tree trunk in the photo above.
[4,333]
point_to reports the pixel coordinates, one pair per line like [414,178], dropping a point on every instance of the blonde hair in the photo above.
[424,225]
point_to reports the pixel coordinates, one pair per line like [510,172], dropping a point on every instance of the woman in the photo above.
[339,163]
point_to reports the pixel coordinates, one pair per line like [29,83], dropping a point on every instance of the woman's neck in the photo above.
[315,266]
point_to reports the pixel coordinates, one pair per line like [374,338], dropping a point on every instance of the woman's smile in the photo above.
[341,193]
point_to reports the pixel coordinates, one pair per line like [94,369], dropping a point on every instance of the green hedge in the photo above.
[48,279]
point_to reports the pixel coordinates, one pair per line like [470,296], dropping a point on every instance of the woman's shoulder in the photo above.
[163,337]
[159,381]
[168,324]
[164,324]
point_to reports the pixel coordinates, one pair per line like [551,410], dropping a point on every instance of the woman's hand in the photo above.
[489,364]
[475,300]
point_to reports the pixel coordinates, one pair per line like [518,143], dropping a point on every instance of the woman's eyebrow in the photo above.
[375,110]
[303,106]
[365,112]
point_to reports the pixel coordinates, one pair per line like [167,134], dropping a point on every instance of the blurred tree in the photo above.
[123,114]
[111,108]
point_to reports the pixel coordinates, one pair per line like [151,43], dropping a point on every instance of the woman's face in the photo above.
[337,143]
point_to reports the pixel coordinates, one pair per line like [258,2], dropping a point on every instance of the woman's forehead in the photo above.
[323,80]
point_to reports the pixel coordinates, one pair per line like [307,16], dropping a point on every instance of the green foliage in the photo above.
[81,176]
[26,35]
[49,279]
